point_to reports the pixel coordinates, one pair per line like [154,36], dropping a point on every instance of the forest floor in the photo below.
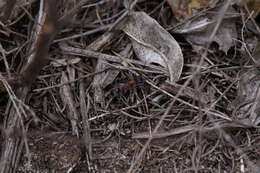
[129,86]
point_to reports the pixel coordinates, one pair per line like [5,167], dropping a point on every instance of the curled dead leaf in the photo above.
[153,44]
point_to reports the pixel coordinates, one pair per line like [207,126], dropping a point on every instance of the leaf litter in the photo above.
[129,86]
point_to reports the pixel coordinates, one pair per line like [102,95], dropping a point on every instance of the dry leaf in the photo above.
[68,101]
[253,6]
[224,37]
[153,44]
[183,9]
[247,103]
[198,31]
[102,80]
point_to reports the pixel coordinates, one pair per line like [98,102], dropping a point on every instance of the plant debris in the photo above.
[129,86]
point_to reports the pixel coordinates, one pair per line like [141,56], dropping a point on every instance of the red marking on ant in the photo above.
[123,88]
[128,84]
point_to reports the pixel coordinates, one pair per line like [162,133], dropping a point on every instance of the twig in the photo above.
[89,53]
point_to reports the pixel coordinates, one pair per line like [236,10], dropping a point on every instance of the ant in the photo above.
[130,83]
[126,86]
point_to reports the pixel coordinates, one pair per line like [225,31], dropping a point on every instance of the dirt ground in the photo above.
[77,96]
